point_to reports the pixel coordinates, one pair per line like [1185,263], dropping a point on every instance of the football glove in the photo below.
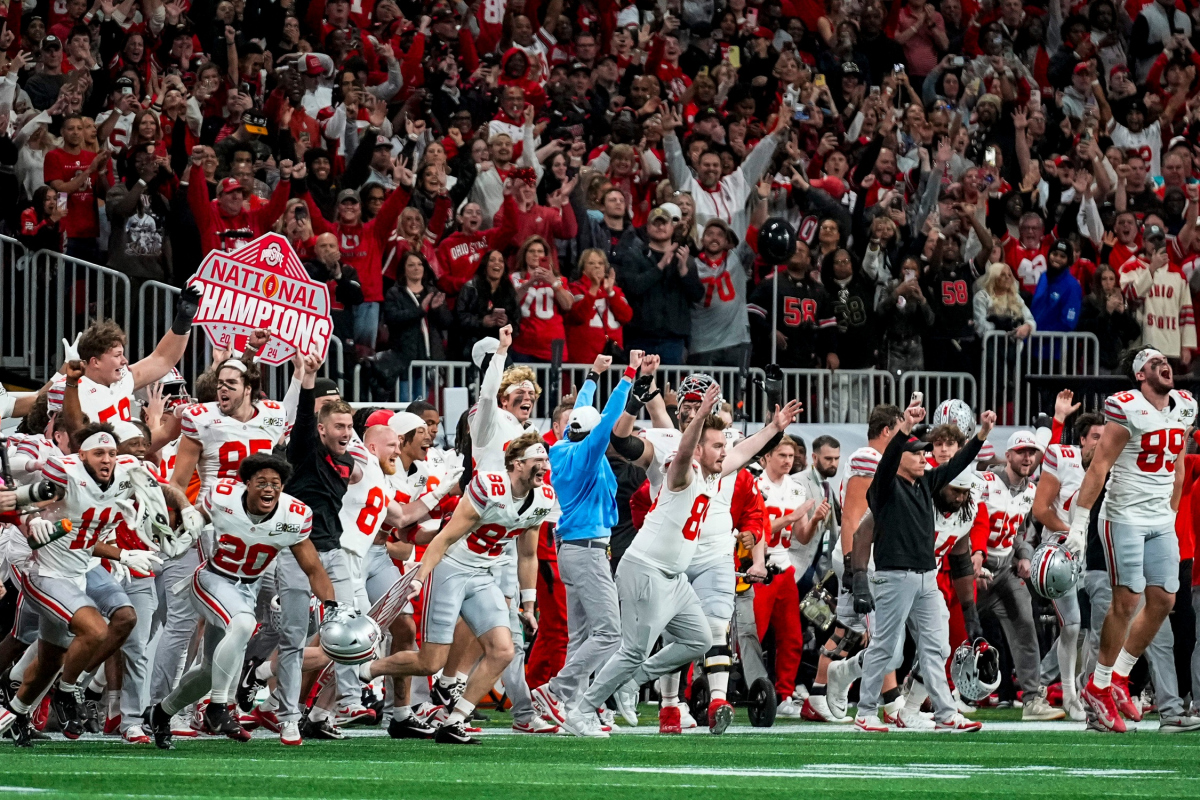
[41,531]
[141,560]
[863,601]
[1077,537]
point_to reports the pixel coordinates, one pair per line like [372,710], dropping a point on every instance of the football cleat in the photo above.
[1130,708]
[41,716]
[8,718]
[410,728]
[789,709]
[607,719]
[66,708]
[837,687]
[548,705]
[1037,709]
[162,725]
[686,720]
[265,718]
[220,722]
[1181,723]
[426,712]
[963,707]
[247,721]
[289,734]
[248,684]
[135,735]
[959,724]
[182,724]
[112,726]
[668,720]
[444,696]
[454,733]
[626,698]
[17,726]
[869,724]
[91,713]
[1102,704]
[816,709]
[584,723]
[354,714]
[892,710]
[720,716]
[913,719]
[1074,707]
[535,725]
[325,729]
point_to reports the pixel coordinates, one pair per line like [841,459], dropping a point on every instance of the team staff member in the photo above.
[906,570]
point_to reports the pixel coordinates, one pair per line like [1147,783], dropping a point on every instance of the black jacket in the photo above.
[346,292]
[319,478]
[661,298]
[407,337]
[473,304]
[1115,331]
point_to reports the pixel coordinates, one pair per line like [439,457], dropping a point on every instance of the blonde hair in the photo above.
[517,374]
[1007,302]
[583,257]
[517,447]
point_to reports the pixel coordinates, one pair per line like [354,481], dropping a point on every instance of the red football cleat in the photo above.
[1125,704]
[668,720]
[720,716]
[1101,701]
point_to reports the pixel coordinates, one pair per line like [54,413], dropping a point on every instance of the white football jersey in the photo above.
[488,446]
[99,402]
[227,441]
[26,450]
[364,508]
[166,464]
[244,548]
[781,499]
[948,529]
[1142,479]
[669,535]
[1065,463]
[501,517]
[90,509]
[717,542]
[665,442]
[863,463]
[1007,512]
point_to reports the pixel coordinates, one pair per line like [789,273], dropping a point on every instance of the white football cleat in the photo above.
[686,720]
[837,688]
[788,709]
[289,733]
[181,724]
[914,720]
[626,698]
[135,735]
[584,724]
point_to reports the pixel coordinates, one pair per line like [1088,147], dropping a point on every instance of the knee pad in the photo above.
[241,627]
[846,643]
[719,628]
[719,658]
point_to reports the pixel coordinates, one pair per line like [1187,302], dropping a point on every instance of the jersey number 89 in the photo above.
[1155,446]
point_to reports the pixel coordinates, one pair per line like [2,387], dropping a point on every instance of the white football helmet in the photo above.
[1054,571]
[693,387]
[955,412]
[349,637]
[975,669]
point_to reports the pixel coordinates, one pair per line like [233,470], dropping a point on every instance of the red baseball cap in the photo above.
[229,185]
[312,65]
[831,184]
[379,417]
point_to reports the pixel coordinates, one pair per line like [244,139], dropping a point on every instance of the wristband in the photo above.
[429,500]
[630,372]
[140,183]
[592,376]
[528,596]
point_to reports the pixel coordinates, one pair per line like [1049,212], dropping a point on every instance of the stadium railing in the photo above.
[937,387]
[64,295]
[15,276]
[1008,361]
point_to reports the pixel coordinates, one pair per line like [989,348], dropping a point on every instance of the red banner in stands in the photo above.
[263,285]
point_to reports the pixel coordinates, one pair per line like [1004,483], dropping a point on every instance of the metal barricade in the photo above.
[938,387]
[1007,361]
[66,295]
[15,322]
[427,379]
[810,387]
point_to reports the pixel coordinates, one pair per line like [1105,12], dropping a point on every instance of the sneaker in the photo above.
[91,713]
[914,719]
[1037,708]
[837,687]
[686,720]
[668,720]
[426,712]
[410,728]
[548,705]
[720,716]
[112,726]
[580,722]
[535,725]
[325,729]
[442,695]
[9,718]
[66,708]
[247,721]
[1181,723]
[1101,702]
[41,716]
[959,724]
[162,725]
[289,733]
[354,714]
[134,734]
[870,724]
[1074,707]
[816,709]
[1131,709]
[181,725]
[266,718]
[789,709]
[892,710]
[249,684]
[963,706]
[454,733]
[626,698]
[221,722]
[607,719]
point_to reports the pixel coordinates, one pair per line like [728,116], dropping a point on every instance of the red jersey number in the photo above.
[368,518]
[691,528]
[488,540]
[1155,447]
[235,558]
[232,454]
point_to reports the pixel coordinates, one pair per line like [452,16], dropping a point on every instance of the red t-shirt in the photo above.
[1027,264]
[541,320]
[82,220]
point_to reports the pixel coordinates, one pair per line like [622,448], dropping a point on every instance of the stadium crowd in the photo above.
[476,182]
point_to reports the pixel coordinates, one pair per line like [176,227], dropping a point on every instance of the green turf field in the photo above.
[796,761]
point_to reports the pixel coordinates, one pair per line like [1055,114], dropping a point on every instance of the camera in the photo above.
[36,492]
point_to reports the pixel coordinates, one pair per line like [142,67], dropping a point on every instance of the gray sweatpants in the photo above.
[1160,655]
[902,596]
[652,603]
[1007,598]
[745,633]
[294,593]
[593,616]
[144,597]
[515,685]
[178,619]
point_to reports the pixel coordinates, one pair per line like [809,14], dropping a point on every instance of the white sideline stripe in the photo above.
[890,771]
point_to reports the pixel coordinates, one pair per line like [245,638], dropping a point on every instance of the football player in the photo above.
[458,569]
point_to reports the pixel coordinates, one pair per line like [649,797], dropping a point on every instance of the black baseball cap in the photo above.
[51,41]
[915,445]
[324,387]
[255,122]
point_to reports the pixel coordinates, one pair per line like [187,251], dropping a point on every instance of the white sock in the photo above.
[1124,664]
[401,712]
[1102,677]
[17,673]
[19,707]
[447,681]
[668,688]
[99,682]
[718,684]
[264,671]
[364,671]
[318,714]
[270,704]
[67,687]
[462,712]
[916,695]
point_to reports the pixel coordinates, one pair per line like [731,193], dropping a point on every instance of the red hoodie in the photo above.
[219,231]
[460,253]
[363,243]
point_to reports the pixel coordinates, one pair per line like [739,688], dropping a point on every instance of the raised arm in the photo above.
[679,472]
[171,347]
[749,448]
